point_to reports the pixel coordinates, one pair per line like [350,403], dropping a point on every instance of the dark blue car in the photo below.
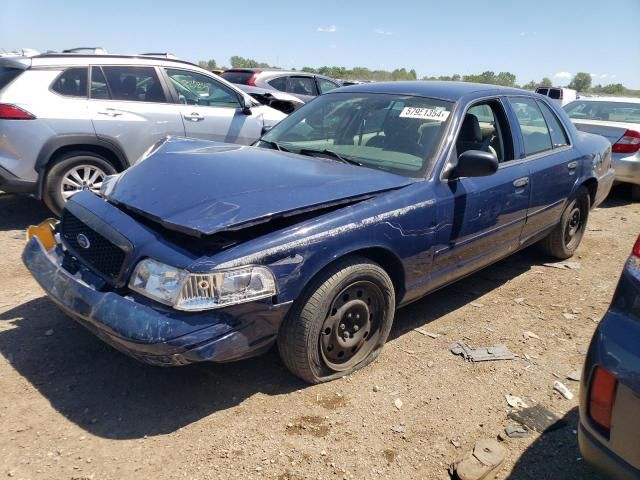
[362,201]
[609,432]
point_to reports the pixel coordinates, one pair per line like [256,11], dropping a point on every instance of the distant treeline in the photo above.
[581,82]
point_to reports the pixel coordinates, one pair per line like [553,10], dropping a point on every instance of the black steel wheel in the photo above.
[340,323]
[564,239]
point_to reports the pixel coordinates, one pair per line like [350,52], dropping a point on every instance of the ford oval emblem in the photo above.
[83,241]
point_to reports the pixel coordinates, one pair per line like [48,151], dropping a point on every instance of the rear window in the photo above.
[625,112]
[542,91]
[237,76]
[554,93]
[7,75]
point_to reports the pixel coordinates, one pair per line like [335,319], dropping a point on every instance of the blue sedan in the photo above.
[610,392]
[364,200]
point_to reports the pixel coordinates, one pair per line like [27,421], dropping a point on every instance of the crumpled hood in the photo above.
[201,187]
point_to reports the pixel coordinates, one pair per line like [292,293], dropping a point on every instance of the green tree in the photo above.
[532,85]
[241,62]
[614,89]
[546,82]
[581,82]
[506,79]
[208,64]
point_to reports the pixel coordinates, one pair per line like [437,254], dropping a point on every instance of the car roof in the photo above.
[609,99]
[70,59]
[451,91]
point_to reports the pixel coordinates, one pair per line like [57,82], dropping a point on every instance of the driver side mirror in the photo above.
[245,104]
[475,163]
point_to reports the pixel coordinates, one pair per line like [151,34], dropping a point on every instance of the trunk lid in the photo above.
[612,131]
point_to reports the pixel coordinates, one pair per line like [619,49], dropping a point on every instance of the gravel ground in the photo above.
[73,408]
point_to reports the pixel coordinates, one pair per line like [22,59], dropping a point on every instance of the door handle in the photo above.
[110,112]
[194,117]
[521,182]
[572,165]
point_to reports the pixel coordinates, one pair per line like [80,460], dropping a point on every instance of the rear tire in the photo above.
[340,323]
[635,193]
[564,239]
[71,173]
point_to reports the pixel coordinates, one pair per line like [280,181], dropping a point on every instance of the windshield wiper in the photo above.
[275,145]
[330,154]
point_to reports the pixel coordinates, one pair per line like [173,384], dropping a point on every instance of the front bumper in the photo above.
[153,333]
[627,168]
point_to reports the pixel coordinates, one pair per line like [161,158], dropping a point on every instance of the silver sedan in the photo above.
[617,119]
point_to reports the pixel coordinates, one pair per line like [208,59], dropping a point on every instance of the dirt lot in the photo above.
[73,408]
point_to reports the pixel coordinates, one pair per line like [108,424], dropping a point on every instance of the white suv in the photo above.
[68,120]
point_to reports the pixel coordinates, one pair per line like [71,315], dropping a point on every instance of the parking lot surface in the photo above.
[73,408]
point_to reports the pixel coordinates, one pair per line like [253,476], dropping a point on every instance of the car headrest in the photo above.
[470,129]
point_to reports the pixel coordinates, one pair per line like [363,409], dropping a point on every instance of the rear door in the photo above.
[552,162]
[130,106]
[480,219]
[211,110]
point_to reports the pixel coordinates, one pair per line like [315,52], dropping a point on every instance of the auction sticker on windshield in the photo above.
[439,115]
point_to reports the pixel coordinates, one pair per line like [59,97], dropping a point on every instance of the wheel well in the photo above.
[387,260]
[592,186]
[109,155]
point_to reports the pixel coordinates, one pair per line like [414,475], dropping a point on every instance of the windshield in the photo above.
[396,133]
[600,110]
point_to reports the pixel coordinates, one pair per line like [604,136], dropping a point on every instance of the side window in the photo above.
[99,88]
[301,86]
[279,83]
[485,127]
[325,85]
[557,131]
[197,89]
[137,84]
[72,82]
[532,124]
[554,93]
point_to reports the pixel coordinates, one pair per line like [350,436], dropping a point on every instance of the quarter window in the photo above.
[279,83]
[197,89]
[137,84]
[535,132]
[558,134]
[72,82]
[325,85]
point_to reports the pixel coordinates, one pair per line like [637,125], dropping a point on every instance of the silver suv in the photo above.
[68,120]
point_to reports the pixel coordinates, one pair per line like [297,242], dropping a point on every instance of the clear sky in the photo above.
[532,39]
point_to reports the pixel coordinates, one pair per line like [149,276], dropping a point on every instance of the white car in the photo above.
[560,95]
[617,119]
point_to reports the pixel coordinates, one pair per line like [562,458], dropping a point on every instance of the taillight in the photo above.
[629,143]
[11,112]
[252,80]
[561,94]
[601,397]
[636,248]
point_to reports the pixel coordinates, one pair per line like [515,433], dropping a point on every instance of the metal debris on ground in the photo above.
[537,418]
[481,354]
[574,375]
[563,390]
[515,402]
[564,265]
[516,431]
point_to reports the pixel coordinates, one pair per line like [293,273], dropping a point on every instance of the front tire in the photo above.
[565,238]
[73,172]
[341,322]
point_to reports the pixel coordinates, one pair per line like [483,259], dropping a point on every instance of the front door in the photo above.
[211,110]
[480,219]
[130,107]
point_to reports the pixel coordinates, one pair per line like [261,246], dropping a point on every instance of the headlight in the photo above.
[194,292]
[158,281]
[215,290]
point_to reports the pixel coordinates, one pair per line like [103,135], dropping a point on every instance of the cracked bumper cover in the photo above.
[152,333]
